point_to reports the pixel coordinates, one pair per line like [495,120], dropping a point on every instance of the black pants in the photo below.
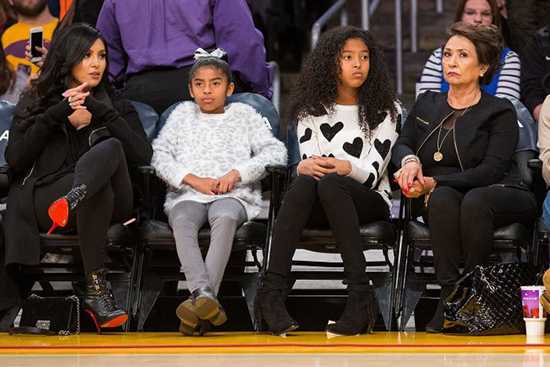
[159,88]
[462,224]
[335,202]
[109,197]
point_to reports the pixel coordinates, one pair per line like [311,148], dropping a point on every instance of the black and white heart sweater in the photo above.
[338,134]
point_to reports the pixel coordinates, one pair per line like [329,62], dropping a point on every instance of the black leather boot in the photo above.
[100,304]
[360,313]
[76,195]
[269,305]
[436,323]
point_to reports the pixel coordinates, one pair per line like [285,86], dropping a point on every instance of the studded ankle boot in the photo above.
[100,304]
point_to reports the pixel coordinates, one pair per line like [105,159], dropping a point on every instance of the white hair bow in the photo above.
[202,53]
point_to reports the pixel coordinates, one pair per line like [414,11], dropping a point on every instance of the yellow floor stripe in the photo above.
[247,342]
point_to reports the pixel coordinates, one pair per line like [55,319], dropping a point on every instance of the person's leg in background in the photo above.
[159,88]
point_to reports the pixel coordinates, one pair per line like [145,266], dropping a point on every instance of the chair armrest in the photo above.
[276,169]
[146,170]
[535,163]
[277,175]
[147,178]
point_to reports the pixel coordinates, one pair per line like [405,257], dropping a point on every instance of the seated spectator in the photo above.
[521,19]
[214,180]
[506,80]
[544,148]
[71,145]
[30,14]
[79,11]
[12,83]
[346,116]
[7,16]
[455,151]
[535,76]
[154,62]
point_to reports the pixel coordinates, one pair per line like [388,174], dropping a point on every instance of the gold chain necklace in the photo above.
[438,156]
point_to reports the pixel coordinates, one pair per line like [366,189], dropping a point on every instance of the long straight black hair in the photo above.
[7,75]
[67,50]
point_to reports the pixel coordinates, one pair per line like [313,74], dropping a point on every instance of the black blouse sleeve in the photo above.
[406,142]
[29,133]
[124,124]
[503,137]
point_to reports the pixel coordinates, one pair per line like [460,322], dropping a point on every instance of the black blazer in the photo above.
[486,137]
[37,148]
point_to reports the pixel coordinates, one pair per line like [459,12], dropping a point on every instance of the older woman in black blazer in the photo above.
[455,151]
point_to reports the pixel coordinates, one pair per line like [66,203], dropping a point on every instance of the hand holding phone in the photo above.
[36,42]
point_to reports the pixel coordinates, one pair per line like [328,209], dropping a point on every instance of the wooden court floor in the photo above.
[253,349]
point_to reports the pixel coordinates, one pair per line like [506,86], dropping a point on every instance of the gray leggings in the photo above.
[186,219]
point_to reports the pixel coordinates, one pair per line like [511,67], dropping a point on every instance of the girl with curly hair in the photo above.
[347,118]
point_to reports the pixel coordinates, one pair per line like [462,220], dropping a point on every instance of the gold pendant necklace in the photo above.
[438,156]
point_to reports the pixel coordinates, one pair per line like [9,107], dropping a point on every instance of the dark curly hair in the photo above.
[316,89]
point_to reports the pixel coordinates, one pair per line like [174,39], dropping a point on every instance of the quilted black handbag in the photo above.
[49,316]
[487,301]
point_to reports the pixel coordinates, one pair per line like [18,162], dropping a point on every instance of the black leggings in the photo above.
[109,197]
[335,202]
[462,224]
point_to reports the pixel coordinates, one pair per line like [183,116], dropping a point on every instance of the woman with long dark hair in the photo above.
[7,76]
[347,117]
[71,143]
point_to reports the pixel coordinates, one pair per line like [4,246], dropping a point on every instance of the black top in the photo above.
[78,145]
[486,138]
[41,146]
[449,163]
[535,70]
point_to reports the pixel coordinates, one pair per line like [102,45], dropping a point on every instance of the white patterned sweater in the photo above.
[210,145]
[338,134]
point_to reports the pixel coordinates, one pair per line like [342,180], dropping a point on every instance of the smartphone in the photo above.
[36,39]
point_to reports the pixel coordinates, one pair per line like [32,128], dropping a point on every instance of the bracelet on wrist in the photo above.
[409,158]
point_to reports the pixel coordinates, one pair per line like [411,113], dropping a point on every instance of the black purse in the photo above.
[49,316]
[487,301]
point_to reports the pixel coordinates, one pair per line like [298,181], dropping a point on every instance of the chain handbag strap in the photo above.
[67,332]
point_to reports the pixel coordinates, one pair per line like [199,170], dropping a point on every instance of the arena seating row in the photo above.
[143,255]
